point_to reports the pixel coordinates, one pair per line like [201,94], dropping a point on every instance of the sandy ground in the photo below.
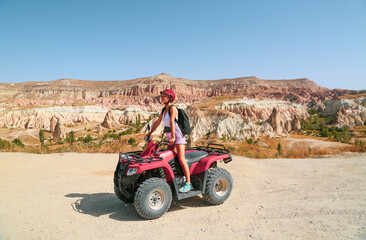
[70,196]
[305,143]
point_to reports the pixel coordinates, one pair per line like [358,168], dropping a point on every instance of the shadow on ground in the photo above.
[99,204]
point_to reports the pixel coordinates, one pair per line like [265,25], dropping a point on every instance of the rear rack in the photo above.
[212,149]
[134,157]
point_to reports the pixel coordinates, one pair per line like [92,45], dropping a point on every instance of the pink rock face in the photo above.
[145,91]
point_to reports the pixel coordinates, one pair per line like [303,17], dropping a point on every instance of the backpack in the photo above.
[183,121]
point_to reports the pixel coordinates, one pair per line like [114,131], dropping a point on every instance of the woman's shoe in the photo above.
[186,188]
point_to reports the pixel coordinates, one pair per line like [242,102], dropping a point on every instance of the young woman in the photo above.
[174,134]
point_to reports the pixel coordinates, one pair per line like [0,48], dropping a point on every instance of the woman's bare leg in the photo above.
[182,160]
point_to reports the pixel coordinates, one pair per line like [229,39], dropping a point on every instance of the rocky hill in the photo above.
[144,91]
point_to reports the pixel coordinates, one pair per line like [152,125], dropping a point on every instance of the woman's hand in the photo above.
[172,140]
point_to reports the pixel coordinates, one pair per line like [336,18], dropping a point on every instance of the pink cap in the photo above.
[170,93]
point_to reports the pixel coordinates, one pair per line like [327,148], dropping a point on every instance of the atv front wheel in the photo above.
[218,186]
[153,198]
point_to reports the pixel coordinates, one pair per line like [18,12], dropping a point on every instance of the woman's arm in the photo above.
[156,125]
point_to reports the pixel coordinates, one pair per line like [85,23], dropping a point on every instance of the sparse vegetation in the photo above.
[312,111]
[109,135]
[70,137]
[360,145]
[249,141]
[4,144]
[17,142]
[315,122]
[88,139]
[316,126]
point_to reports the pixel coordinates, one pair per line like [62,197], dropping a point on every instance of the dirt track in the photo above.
[70,196]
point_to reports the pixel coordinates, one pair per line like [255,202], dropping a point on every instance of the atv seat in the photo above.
[195,156]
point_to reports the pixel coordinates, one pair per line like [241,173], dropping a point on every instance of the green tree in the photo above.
[138,120]
[279,149]
[71,137]
[41,136]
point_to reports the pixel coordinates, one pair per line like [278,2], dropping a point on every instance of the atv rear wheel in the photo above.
[124,197]
[153,198]
[218,186]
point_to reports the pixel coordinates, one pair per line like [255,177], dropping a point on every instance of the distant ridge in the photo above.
[145,88]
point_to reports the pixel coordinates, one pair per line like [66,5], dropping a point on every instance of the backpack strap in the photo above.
[162,111]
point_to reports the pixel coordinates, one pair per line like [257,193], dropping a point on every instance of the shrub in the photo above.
[106,136]
[4,144]
[360,145]
[114,136]
[128,131]
[341,134]
[18,142]
[88,139]
[312,111]
[138,129]
[131,141]
[249,141]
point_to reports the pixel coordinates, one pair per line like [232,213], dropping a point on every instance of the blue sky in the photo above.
[44,40]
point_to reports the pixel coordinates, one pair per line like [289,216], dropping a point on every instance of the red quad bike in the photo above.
[150,178]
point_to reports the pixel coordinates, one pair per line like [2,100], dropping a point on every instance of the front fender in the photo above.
[154,165]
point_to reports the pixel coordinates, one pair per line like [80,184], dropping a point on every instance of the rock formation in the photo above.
[225,125]
[347,112]
[110,120]
[59,131]
[133,114]
[99,129]
[46,117]
[275,121]
[53,123]
[260,110]
[288,126]
[296,123]
[144,91]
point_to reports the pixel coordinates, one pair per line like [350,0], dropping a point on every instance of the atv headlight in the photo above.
[131,171]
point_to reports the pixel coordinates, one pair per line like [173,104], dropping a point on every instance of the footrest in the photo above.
[191,193]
